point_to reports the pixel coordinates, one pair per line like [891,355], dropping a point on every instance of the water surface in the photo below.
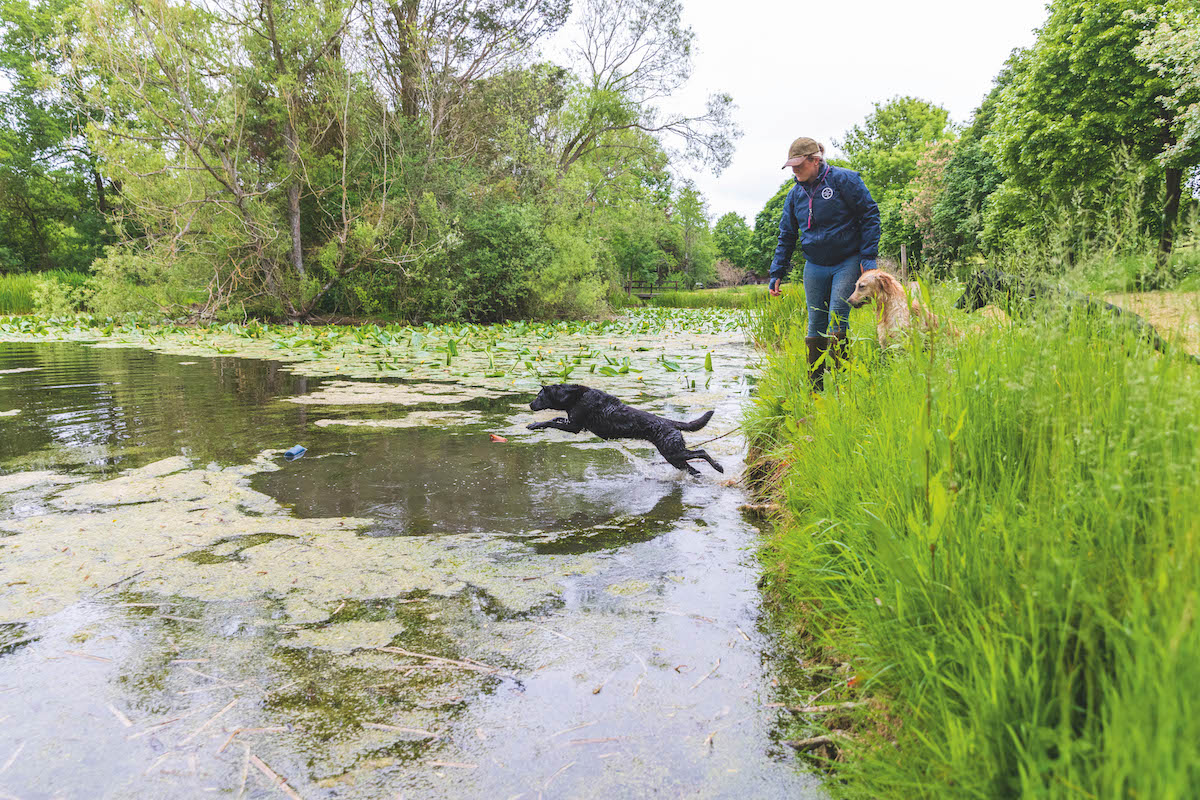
[410,610]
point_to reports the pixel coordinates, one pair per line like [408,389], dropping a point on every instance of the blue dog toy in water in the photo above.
[294,453]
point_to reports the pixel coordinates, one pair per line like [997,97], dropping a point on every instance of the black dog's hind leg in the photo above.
[680,462]
[559,423]
[704,454]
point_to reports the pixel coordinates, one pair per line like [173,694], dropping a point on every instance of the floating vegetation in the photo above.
[172,529]
[414,419]
[665,348]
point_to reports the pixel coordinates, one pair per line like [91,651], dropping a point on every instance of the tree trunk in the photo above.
[405,15]
[1174,188]
[294,200]
[292,139]
[101,200]
[37,235]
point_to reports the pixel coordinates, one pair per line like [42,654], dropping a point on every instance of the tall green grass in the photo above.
[16,289]
[1003,539]
[728,297]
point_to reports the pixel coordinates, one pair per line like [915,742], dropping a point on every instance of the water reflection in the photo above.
[100,409]
[420,481]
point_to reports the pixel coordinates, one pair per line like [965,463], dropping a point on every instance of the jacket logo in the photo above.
[827,192]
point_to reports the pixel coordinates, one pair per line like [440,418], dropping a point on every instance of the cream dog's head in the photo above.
[875,285]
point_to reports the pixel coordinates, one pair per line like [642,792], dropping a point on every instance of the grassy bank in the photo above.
[17,289]
[727,297]
[1002,539]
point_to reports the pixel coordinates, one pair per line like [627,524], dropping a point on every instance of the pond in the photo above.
[432,602]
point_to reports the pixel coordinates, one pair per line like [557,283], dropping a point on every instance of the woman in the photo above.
[833,215]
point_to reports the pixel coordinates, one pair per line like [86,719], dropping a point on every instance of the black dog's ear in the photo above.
[569,393]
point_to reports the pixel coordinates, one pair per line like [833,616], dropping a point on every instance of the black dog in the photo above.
[609,418]
[993,287]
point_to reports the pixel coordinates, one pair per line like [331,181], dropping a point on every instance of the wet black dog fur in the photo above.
[607,417]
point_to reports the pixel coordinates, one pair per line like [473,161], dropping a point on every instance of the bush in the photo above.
[569,284]
[503,248]
[55,297]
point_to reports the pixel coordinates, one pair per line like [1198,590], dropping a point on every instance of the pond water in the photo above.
[412,609]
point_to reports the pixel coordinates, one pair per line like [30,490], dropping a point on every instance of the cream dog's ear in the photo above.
[888,283]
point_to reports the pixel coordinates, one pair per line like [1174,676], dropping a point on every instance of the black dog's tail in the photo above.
[695,425]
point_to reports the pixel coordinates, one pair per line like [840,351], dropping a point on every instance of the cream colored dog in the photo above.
[896,308]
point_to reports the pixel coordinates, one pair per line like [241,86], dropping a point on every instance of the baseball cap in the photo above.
[801,149]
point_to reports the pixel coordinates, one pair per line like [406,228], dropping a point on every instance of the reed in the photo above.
[727,297]
[17,288]
[1002,538]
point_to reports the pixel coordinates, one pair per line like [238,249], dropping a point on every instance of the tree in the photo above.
[1170,49]
[969,180]
[53,198]
[430,53]
[243,123]
[698,253]
[886,147]
[731,235]
[924,190]
[631,54]
[885,150]
[1076,98]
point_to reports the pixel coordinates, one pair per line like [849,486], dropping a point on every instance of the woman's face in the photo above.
[806,170]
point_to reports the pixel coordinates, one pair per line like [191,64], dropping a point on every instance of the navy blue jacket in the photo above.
[844,221]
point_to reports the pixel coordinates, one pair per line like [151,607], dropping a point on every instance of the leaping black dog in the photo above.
[609,418]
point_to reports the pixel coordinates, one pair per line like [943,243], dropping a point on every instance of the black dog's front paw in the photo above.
[533,426]
[718,468]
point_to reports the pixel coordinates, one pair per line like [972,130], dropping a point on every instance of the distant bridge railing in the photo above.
[647,289]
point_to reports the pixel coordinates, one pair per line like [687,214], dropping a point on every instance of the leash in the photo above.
[722,436]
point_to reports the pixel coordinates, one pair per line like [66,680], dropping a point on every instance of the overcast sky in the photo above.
[795,71]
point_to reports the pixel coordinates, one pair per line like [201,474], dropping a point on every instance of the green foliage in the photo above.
[924,190]
[52,199]
[19,291]
[60,298]
[968,181]
[635,52]
[570,285]
[731,236]
[502,248]
[1072,101]
[886,149]
[765,236]
[1169,50]
[438,174]
[644,246]
[1011,569]
[729,297]
[697,249]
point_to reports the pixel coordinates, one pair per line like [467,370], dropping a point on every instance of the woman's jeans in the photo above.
[826,290]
